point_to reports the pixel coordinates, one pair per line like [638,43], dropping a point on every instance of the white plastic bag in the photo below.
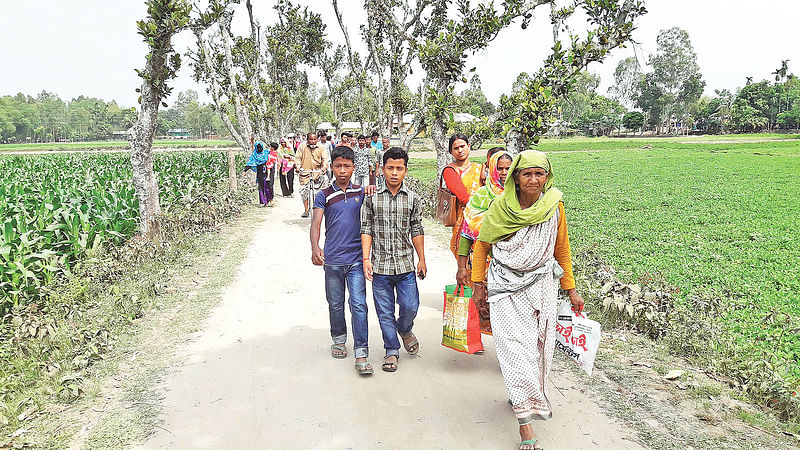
[577,337]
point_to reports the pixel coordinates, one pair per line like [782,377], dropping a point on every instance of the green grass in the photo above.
[721,224]
[722,143]
[714,220]
[104,145]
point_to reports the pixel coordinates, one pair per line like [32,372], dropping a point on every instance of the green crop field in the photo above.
[113,145]
[714,220]
[56,209]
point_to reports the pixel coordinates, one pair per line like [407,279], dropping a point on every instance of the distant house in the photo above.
[121,135]
[178,133]
[464,118]
[345,126]
[408,121]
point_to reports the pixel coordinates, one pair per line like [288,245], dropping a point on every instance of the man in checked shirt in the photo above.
[391,229]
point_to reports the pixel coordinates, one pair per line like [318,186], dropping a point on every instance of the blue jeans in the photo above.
[388,290]
[335,279]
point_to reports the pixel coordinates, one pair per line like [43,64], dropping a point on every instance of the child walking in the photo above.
[391,230]
[340,204]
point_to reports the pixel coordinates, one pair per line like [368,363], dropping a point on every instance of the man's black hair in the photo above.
[347,134]
[343,151]
[274,145]
[374,133]
[395,153]
[361,136]
[454,138]
[492,151]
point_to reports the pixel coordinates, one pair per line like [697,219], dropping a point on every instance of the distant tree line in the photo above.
[48,118]
[668,98]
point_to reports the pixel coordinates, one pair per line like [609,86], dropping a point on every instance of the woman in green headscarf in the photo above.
[526,230]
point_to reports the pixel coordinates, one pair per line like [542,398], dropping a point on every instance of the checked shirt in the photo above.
[392,220]
[363,160]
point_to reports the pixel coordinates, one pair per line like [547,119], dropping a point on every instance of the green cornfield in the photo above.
[58,209]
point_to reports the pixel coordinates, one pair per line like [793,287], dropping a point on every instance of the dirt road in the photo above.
[260,376]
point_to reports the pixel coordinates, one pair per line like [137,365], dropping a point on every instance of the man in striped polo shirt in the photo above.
[340,205]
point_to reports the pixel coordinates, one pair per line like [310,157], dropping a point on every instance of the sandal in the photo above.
[338,351]
[364,368]
[410,343]
[530,444]
[389,366]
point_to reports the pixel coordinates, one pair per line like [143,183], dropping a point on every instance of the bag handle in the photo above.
[442,184]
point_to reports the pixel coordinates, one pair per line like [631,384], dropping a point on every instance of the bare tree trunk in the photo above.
[144,178]
[443,156]
[232,182]
[515,142]
[242,115]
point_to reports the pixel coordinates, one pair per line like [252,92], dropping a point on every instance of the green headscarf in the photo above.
[505,216]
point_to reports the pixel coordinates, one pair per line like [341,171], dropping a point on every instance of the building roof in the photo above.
[458,117]
[464,117]
[343,126]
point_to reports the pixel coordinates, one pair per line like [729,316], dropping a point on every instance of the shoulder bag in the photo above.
[446,202]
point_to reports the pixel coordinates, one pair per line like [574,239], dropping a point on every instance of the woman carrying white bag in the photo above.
[577,336]
[526,229]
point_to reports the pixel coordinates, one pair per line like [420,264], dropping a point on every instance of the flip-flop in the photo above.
[412,342]
[341,348]
[389,366]
[532,443]
[364,368]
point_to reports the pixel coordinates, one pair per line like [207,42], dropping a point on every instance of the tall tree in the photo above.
[675,78]
[528,111]
[448,37]
[578,100]
[165,18]
[390,33]
[601,117]
[627,77]
[258,87]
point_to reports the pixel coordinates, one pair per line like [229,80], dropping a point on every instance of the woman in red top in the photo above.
[462,178]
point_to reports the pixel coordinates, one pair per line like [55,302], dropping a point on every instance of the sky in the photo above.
[90,47]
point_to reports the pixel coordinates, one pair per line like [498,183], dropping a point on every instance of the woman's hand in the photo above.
[576,300]
[463,276]
[480,297]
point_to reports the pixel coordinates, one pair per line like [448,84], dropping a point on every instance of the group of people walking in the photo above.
[311,159]
[510,242]
[266,162]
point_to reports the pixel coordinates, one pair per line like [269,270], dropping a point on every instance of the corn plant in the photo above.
[57,209]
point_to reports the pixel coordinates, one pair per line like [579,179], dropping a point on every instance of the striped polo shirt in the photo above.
[342,212]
